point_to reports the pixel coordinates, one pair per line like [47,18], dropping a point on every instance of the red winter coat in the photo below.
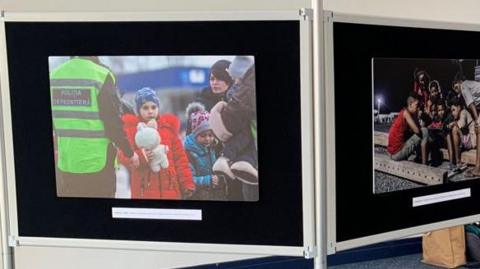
[168,183]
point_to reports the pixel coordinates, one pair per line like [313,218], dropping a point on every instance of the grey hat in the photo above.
[239,66]
[200,122]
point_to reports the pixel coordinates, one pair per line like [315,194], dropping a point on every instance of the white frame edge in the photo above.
[400,22]
[151,16]
[329,132]
[306,116]
[307,123]
[8,217]
[4,203]
[158,246]
[399,234]
[329,18]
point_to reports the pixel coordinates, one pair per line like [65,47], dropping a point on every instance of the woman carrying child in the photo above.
[173,182]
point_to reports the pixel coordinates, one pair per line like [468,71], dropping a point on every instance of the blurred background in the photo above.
[176,79]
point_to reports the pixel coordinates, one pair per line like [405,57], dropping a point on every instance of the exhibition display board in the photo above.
[78,176]
[401,111]
[247,130]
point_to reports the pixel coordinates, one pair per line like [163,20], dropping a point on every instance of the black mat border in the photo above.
[276,219]
[359,212]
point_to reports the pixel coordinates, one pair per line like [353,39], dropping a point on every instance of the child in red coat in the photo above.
[173,182]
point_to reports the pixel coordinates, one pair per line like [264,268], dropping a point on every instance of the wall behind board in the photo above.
[461,11]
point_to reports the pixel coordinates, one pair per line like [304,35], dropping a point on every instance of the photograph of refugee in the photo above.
[425,115]
[155,127]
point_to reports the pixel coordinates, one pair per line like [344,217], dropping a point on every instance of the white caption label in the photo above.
[156,213]
[441,197]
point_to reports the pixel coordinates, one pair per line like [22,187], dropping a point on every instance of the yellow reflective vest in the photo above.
[81,142]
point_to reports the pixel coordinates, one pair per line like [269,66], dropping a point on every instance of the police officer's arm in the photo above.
[109,110]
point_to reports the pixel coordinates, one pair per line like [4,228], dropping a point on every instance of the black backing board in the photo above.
[359,212]
[276,219]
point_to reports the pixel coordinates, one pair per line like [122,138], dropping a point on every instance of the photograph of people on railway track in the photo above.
[426,120]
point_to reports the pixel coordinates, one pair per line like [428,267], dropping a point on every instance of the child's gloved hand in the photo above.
[187,193]
[215,180]
[150,155]
[152,124]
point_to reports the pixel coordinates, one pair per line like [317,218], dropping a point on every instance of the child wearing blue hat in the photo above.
[173,182]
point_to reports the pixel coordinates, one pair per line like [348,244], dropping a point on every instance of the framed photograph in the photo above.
[424,122]
[178,132]
[167,119]
[400,120]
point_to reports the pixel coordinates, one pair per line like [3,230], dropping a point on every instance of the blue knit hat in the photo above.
[144,95]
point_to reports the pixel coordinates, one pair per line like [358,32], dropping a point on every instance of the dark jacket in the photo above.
[241,108]
[209,99]
[110,112]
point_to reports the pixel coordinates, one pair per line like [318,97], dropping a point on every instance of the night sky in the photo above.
[393,78]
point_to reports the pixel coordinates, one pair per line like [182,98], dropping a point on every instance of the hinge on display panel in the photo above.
[310,252]
[12,241]
[306,14]
[327,16]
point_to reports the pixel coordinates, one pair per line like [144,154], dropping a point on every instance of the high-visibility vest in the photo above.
[81,141]
[253,129]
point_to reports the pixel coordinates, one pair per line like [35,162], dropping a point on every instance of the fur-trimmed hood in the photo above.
[191,144]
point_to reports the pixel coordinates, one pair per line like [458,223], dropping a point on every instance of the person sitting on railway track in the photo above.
[438,131]
[435,98]
[462,135]
[470,91]
[405,136]
[421,88]
[438,116]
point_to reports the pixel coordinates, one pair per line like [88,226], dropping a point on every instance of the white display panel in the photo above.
[307,137]
[336,195]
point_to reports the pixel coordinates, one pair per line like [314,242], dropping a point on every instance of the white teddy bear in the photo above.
[147,137]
